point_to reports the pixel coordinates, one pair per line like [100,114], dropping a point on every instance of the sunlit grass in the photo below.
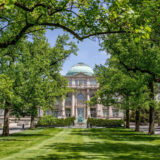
[94,144]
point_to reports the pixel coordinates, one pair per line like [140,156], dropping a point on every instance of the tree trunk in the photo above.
[151,120]
[127,119]
[137,120]
[6,122]
[151,110]
[158,120]
[32,122]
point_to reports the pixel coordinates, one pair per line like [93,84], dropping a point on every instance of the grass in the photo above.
[84,144]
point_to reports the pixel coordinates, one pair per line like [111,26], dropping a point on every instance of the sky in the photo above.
[88,52]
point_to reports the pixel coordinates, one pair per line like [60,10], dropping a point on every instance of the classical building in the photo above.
[82,80]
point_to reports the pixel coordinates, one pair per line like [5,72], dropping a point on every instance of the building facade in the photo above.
[82,80]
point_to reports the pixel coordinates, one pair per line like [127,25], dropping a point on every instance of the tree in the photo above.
[118,88]
[44,83]
[137,57]
[42,80]
[34,67]
[6,92]
[82,19]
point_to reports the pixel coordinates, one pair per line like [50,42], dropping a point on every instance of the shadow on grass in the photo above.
[15,140]
[117,134]
[27,135]
[98,151]
[113,149]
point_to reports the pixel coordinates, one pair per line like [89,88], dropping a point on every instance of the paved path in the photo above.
[13,130]
[144,128]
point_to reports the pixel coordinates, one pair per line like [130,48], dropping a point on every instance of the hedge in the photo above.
[50,121]
[92,122]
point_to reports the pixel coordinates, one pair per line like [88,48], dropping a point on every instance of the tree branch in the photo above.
[29,9]
[135,69]
[16,38]
[76,34]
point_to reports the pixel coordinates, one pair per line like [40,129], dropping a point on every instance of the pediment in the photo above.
[81,75]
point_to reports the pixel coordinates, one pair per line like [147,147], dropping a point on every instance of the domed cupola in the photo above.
[80,68]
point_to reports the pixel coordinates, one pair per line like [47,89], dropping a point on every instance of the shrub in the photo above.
[50,121]
[104,123]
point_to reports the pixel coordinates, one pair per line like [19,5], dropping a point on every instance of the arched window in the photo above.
[68,99]
[80,99]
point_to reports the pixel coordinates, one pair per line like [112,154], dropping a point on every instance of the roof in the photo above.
[80,68]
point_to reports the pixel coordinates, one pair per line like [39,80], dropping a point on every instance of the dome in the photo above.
[80,68]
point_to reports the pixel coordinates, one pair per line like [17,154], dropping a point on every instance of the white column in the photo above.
[99,111]
[88,82]
[73,105]
[88,107]
[73,82]
[63,108]
[110,112]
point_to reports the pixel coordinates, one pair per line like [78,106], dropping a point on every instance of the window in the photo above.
[80,99]
[115,112]
[105,112]
[80,82]
[68,112]
[93,82]
[85,82]
[70,82]
[76,82]
[68,99]
[93,112]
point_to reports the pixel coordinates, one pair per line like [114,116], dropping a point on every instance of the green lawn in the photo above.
[85,144]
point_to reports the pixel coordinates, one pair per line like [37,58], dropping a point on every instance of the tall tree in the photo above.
[43,82]
[34,67]
[6,92]
[118,88]
[137,57]
[9,69]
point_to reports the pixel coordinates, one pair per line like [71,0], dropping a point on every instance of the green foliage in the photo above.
[118,88]
[43,82]
[50,121]
[80,18]
[30,75]
[6,89]
[104,123]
